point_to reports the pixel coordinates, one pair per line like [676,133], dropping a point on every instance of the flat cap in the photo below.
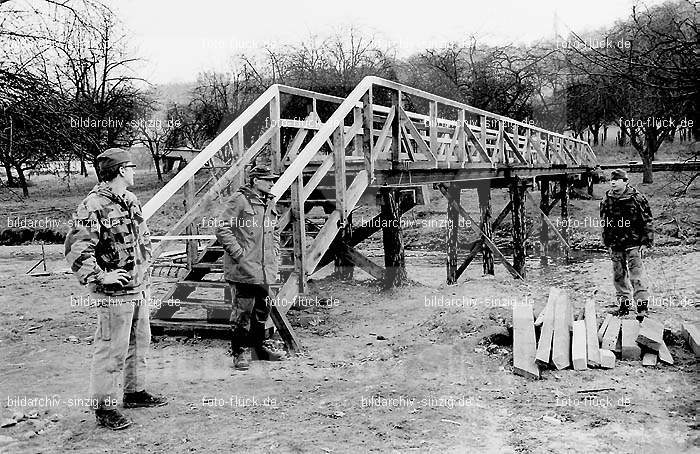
[263,172]
[618,174]
[113,157]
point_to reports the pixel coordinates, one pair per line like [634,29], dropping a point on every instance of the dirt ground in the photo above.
[381,372]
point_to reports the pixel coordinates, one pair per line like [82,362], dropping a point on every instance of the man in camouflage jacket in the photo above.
[627,231]
[108,248]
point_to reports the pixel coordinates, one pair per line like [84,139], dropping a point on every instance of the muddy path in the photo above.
[399,371]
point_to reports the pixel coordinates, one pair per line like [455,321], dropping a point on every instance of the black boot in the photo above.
[642,310]
[141,399]
[111,419]
[265,354]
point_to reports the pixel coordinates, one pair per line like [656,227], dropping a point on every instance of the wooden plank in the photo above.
[547,220]
[611,334]
[544,347]
[578,346]
[651,334]
[630,349]
[339,173]
[649,359]
[363,262]
[205,201]
[479,146]
[474,226]
[691,334]
[285,329]
[433,127]
[561,345]
[524,348]
[665,354]
[603,327]
[607,359]
[422,146]
[514,149]
[592,345]
[368,133]
[172,186]
[299,231]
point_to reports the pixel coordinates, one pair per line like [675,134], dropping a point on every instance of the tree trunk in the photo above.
[22,180]
[83,167]
[10,177]
[156,162]
[605,133]
[648,175]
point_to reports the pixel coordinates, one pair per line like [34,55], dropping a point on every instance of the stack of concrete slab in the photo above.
[565,342]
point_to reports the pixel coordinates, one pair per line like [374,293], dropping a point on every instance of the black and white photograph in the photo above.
[349,227]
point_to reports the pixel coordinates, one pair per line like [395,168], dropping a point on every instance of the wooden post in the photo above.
[517,198]
[299,231]
[433,128]
[344,267]
[483,132]
[462,149]
[356,139]
[276,140]
[191,245]
[339,172]
[544,227]
[394,259]
[564,197]
[368,133]
[453,193]
[484,193]
[396,129]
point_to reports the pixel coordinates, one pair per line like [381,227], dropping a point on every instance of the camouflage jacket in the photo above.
[109,232]
[248,233]
[626,219]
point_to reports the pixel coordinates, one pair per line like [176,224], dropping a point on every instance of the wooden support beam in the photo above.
[191,245]
[357,122]
[368,133]
[299,231]
[344,265]
[488,241]
[415,134]
[276,140]
[392,234]
[433,131]
[517,198]
[285,329]
[546,221]
[544,227]
[513,147]
[480,145]
[484,195]
[564,197]
[453,193]
[354,256]
[477,245]
[339,172]
[396,129]
[463,154]
[205,202]
[524,344]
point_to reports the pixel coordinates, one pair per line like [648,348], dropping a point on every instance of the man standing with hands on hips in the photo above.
[250,237]
[627,232]
[108,248]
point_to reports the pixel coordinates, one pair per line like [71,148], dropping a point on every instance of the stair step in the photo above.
[190,324]
[203,284]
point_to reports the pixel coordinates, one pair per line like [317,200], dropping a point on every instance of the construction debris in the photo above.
[564,343]
[691,333]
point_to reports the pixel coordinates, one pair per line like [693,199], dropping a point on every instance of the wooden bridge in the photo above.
[383,137]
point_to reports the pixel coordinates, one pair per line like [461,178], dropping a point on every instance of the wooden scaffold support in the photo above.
[517,200]
[454,193]
[484,194]
[394,257]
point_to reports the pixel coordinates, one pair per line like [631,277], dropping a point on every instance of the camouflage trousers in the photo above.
[250,309]
[629,276]
[121,342]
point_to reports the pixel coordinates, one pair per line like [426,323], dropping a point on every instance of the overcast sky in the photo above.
[181,38]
